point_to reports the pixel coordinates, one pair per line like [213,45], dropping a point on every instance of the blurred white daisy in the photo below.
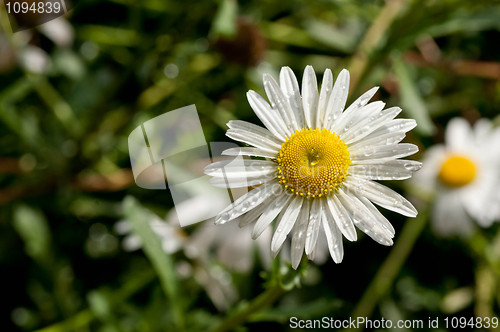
[464,175]
[319,167]
[212,251]
[207,243]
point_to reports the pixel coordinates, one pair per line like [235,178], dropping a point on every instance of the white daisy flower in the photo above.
[319,167]
[464,175]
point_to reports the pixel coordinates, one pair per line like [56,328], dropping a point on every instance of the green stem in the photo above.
[385,276]
[74,323]
[485,251]
[486,285]
[371,40]
[241,315]
[162,263]
[61,109]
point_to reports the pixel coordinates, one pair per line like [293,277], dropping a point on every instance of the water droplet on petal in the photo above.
[224,217]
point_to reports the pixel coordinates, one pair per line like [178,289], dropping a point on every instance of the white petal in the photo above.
[342,218]
[299,234]
[310,96]
[324,98]
[364,219]
[368,125]
[233,251]
[252,215]
[248,151]
[379,153]
[458,134]
[280,220]
[254,139]
[346,122]
[426,179]
[394,126]
[240,168]
[352,109]
[387,139]
[449,217]
[290,88]
[286,223]
[380,219]
[390,170]
[270,213]
[279,102]
[381,195]
[246,202]
[315,216]
[333,236]
[239,182]
[244,126]
[131,243]
[481,198]
[122,227]
[482,130]
[338,98]
[269,117]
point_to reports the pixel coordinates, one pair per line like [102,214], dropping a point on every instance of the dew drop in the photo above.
[412,167]
[369,152]
[224,217]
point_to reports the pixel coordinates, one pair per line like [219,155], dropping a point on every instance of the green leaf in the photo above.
[411,100]
[99,304]
[162,263]
[288,35]
[225,20]
[341,39]
[102,34]
[16,120]
[33,229]
[466,22]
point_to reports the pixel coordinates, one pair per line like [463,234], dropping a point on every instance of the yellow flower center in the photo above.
[457,171]
[312,162]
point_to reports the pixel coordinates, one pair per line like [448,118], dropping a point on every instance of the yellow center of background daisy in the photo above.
[312,162]
[457,171]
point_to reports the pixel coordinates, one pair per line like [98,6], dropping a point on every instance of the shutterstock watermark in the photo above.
[25,14]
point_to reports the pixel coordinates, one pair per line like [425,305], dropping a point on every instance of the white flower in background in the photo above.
[464,173]
[233,248]
[59,30]
[319,167]
[207,242]
[30,56]
[171,235]
[210,249]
